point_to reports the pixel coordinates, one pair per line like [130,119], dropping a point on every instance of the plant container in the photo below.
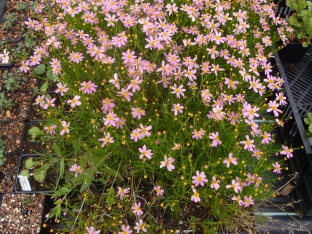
[298,90]
[33,141]
[292,53]
[41,175]
[2,8]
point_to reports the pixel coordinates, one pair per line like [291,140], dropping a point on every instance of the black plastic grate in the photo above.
[299,78]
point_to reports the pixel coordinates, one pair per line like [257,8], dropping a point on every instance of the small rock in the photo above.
[8,113]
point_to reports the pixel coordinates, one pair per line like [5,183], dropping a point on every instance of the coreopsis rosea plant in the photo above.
[163,94]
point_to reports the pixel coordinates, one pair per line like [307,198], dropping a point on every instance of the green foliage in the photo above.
[40,69]
[308,120]
[301,20]
[2,148]
[38,167]
[21,6]
[5,103]
[10,19]
[12,80]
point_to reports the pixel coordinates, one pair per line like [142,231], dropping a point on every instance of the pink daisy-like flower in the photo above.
[248,201]
[49,103]
[248,144]
[125,230]
[287,151]
[137,112]
[110,119]
[92,231]
[24,66]
[178,91]
[230,160]
[215,139]
[277,168]
[122,192]
[75,168]
[65,128]
[168,162]
[235,186]
[177,108]
[88,87]
[159,191]
[61,88]
[74,102]
[136,135]
[145,152]
[199,179]
[215,183]
[198,134]
[136,209]
[195,197]
[140,226]
[50,129]
[107,139]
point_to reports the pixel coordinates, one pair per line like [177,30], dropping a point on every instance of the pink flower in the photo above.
[110,119]
[65,127]
[125,94]
[248,201]
[24,66]
[274,107]
[266,138]
[137,112]
[50,129]
[135,84]
[177,146]
[140,226]
[107,139]
[178,90]
[40,100]
[61,88]
[125,230]
[92,231]
[199,179]
[145,152]
[215,137]
[177,108]
[159,191]
[195,197]
[75,168]
[248,144]
[215,183]
[277,168]
[287,151]
[76,57]
[145,130]
[136,209]
[121,193]
[198,134]
[249,111]
[136,135]
[88,87]
[230,160]
[115,81]
[49,103]
[235,185]
[168,163]
[74,102]
[107,105]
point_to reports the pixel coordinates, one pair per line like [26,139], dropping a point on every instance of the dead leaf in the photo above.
[286,190]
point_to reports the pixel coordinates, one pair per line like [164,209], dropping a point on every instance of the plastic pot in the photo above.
[30,184]
[2,7]
[292,53]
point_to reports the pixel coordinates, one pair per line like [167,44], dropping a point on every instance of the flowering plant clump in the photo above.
[166,94]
